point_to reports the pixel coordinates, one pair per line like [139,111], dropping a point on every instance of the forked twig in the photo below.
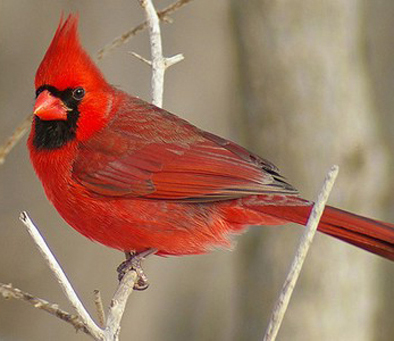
[158,63]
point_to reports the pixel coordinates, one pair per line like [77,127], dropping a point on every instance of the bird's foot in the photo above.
[134,262]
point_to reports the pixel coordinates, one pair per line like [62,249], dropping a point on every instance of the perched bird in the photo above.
[134,177]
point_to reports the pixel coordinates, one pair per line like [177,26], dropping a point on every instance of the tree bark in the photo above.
[305,104]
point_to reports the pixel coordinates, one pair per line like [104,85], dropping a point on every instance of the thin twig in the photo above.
[125,37]
[302,250]
[19,132]
[142,59]
[98,302]
[174,59]
[8,291]
[61,277]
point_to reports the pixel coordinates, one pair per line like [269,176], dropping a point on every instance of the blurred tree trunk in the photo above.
[306,103]
[380,25]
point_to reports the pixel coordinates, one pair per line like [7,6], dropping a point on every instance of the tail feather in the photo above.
[369,234]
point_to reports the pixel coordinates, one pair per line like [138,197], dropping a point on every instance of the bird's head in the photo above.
[72,96]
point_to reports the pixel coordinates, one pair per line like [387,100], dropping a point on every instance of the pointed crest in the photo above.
[66,64]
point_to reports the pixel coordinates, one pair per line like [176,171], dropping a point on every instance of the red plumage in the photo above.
[133,176]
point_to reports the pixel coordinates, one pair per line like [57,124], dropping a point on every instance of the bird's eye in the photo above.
[78,93]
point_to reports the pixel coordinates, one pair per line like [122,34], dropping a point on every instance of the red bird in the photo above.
[134,177]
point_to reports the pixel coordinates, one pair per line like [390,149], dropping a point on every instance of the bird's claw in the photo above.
[134,262]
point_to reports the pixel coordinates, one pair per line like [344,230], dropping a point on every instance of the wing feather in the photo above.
[176,161]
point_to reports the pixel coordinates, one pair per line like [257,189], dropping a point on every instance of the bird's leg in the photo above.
[133,262]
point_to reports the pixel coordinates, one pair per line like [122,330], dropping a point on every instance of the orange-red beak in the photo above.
[49,108]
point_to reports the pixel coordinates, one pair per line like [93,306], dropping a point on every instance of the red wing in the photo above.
[174,164]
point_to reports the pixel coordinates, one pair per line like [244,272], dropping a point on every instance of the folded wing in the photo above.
[149,153]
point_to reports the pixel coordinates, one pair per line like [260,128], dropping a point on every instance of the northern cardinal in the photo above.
[134,177]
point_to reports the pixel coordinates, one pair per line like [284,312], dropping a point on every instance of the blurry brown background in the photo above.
[306,84]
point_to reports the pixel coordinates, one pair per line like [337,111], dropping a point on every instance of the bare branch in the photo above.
[19,132]
[61,277]
[158,61]
[125,37]
[8,291]
[159,64]
[302,250]
[118,304]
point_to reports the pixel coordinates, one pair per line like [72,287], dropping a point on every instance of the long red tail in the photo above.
[371,235]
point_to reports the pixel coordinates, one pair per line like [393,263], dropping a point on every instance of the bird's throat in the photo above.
[49,135]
